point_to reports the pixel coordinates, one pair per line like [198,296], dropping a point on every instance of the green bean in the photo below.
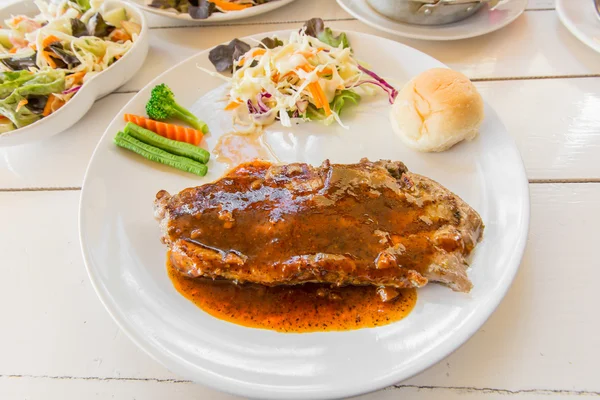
[172,146]
[155,154]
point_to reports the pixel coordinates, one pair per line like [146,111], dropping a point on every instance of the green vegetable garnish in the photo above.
[162,105]
[315,27]
[172,146]
[155,154]
[341,99]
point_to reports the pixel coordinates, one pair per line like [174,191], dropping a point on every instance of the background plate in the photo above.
[482,22]
[217,17]
[126,261]
[581,19]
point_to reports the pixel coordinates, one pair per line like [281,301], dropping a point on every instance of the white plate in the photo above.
[580,17]
[216,17]
[126,261]
[100,85]
[484,21]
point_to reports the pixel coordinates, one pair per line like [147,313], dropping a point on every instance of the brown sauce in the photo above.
[294,309]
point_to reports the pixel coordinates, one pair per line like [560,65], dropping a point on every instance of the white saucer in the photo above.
[484,21]
[579,17]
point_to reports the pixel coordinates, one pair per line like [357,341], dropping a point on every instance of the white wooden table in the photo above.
[57,342]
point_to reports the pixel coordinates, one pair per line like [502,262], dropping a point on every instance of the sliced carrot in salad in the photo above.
[170,131]
[232,105]
[49,40]
[53,104]
[76,78]
[21,104]
[227,6]
[48,57]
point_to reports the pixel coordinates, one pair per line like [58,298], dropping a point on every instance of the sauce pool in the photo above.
[294,309]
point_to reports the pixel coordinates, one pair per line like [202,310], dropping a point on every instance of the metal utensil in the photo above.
[429,12]
[597,7]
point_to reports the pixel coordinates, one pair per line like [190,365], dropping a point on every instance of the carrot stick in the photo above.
[170,131]
[315,93]
[226,6]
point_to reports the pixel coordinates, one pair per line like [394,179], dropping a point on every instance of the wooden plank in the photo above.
[557,139]
[77,389]
[542,337]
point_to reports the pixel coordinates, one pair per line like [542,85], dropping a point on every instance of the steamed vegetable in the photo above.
[162,105]
[153,153]
[172,146]
[170,131]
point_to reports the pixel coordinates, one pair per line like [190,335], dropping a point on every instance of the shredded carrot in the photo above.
[53,104]
[32,46]
[170,131]
[307,67]
[48,57]
[119,34]
[13,50]
[315,93]
[325,71]
[226,6]
[76,78]
[232,105]
[258,52]
[17,20]
[21,104]
[49,40]
[319,97]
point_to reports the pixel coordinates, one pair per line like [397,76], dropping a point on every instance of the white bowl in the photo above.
[98,86]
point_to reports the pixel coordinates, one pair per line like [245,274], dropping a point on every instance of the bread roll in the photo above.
[436,110]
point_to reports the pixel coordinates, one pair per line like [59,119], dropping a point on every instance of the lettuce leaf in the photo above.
[344,98]
[315,27]
[9,81]
[224,55]
[35,85]
[23,117]
[340,102]
[20,63]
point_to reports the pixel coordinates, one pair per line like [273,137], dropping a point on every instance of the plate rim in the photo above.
[344,4]
[221,382]
[222,17]
[572,28]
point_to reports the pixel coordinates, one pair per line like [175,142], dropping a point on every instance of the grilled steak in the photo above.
[370,223]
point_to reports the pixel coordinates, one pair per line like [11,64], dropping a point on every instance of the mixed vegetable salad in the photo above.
[202,9]
[311,76]
[45,59]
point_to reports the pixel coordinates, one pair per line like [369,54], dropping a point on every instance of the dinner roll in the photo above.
[436,110]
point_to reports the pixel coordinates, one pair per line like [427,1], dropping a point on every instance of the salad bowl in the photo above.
[96,87]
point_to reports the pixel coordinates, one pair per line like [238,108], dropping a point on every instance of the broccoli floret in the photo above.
[162,105]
